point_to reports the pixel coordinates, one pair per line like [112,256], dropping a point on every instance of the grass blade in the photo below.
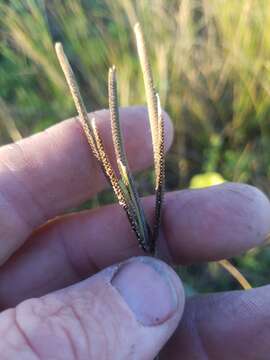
[235,273]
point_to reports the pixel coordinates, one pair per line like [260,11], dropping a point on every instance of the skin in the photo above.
[63,293]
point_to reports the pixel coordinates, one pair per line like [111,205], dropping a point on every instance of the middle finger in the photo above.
[198,225]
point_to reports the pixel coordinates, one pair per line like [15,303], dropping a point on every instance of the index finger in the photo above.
[47,173]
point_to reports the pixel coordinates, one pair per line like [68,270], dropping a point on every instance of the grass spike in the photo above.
[120,189]
[160,171]
[149,86]
[122,163]
[115,121]
[157,127]
[120,192]
[75,92]
[106,165]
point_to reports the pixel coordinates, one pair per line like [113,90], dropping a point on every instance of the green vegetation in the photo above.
[212,62]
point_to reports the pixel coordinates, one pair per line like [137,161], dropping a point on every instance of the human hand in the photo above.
[125,311]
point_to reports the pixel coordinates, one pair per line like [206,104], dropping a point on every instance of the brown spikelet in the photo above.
[160,172]
[106,166]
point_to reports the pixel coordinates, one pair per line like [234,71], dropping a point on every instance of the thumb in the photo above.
[127,311]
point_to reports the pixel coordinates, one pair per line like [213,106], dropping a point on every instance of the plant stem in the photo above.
[235,273]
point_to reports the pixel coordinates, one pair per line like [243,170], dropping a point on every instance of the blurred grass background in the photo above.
[211,60]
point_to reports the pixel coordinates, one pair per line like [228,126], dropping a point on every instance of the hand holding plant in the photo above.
[87,294]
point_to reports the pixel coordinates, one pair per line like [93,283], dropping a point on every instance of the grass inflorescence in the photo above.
[124,186]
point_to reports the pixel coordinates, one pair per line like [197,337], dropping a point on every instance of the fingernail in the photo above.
[149,289]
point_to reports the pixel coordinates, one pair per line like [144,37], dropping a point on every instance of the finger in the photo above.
[233,325]
[55,170]
[216,223]
[127,311]
[198,225]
